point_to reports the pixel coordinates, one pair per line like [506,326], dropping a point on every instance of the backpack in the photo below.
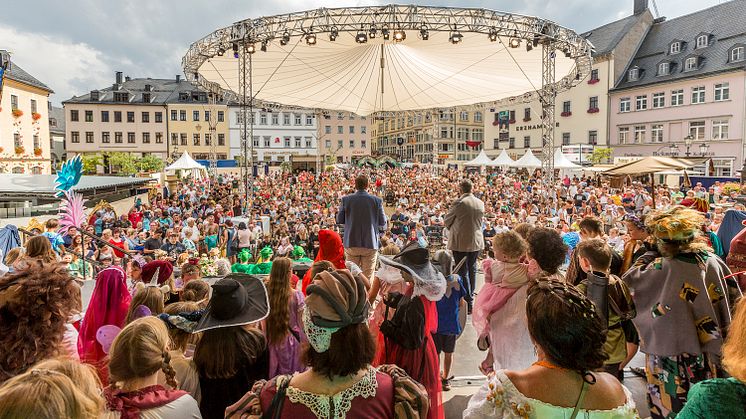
[407,327]
[620,299]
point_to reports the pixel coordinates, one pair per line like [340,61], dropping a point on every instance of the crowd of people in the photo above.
[334,295]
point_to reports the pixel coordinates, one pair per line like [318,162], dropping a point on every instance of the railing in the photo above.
[81,255]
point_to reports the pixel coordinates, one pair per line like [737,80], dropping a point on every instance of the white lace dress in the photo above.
[499,398]
[510,342]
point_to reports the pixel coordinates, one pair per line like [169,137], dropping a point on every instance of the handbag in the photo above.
[275,408]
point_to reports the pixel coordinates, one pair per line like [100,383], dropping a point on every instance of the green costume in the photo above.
[243,265]
[299,255]
[264,264]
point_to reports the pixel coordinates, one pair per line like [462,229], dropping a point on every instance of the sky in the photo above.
[75,46]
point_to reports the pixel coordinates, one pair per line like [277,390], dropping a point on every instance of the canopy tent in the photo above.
[386,58]
[186,162]
[562,162]
[528,161]
[480,161]
[503,160]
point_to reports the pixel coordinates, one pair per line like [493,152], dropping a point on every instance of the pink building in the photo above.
[683,93]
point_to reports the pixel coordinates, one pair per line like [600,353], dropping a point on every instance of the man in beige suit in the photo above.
[465,239]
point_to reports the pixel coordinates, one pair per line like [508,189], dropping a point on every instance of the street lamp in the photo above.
[688,142]
[703,148]
[674,149]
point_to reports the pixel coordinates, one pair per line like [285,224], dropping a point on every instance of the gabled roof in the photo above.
[725,22]
[20,75]
[162,91]
[605,38]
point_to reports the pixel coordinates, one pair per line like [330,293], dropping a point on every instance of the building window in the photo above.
[266,141]
[511,143]
[363,129]
[363,143]
[183,139]
[593,137]
[14,106]
[723,167]
[130,117]
[690,64]
[299,119]
[565,138]
[285,119]
[145,117]
[698,95]
[286,141]
[146,138]
[275,119]
[158,117]
[208,139]
[121,97]
[174,115]
[352,143]
[641,103]
[221,116]
[117,116]
[720,129]
[463,116]
[340,115]
[477,116]
[88,116]
[105,137]
[656,133]
[221,139]
[195,116]
[340,129]
[17,140]
[182,115]
[677,97]
[308,142]
[664,69]
[159,138]
[697,130]
[639,134]
[527,142]
[675,48]
[593,102]
[625,104]
[174,139]
[89,137]
[527,114]
[74,136]
[309,119]
[659,100]
[566,107]
[737,54]
[196,139]
[207,116]
[262,118]
[104,116]
[340,144]
[722,92]
[130,138]
[594,75]
[74,117]
[702,41]
[352,129]
[634,74]
[327,129]
[328,144]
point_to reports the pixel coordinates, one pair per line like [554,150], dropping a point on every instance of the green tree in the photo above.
[150,163]
[90,163]
[601,155]
[122,163]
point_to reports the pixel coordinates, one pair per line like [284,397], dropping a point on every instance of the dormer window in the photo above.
[703,41]
[183,96]
[634,74]
[737,54]
[691,63]
[664,69]
[675,48]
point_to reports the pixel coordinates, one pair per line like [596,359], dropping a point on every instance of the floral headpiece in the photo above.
[678,225]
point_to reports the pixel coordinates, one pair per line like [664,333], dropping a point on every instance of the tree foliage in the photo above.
[90,163]
[123,163]
[601,155]
[150,163]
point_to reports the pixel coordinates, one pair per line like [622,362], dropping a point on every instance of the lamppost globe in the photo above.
[703,148]
[688,140]
[674,148]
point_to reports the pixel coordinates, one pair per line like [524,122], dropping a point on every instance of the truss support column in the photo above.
[246,122]
[548,96]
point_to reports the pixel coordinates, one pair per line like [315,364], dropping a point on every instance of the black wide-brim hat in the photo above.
[414,260]
[237,300]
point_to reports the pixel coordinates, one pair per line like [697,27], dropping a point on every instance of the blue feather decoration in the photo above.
[69,175]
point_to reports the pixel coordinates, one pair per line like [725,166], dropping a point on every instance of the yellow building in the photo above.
[194,124]
[24,121]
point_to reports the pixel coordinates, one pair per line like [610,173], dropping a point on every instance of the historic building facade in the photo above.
[343,137]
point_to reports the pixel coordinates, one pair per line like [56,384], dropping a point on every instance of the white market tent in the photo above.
[503,160]
[186,162]
[562,162]
[528,161]
[482,160]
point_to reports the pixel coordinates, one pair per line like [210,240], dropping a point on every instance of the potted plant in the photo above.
[19,149]
[593,81]
[17,113]
[36,116]
[566,114]
[593,110]
[37,151]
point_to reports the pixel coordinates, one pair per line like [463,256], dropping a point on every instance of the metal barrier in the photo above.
[81,255]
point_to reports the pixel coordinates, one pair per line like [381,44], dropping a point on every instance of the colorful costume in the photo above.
[331,249]
[299,255]
[263,265]
[242,266]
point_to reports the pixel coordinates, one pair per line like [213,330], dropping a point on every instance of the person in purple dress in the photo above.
[282,327]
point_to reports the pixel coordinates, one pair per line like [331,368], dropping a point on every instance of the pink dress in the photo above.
[501,281]
[284,357]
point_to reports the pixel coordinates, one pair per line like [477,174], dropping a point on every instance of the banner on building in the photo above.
[503,125]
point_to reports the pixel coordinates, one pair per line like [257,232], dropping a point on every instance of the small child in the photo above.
[449,310]
[55,239]
[615,240]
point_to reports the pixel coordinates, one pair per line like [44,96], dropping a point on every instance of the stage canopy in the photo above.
[654,165]
[186,162]
[562,162]
[386,58]
[528,161]
[480,161]
[503,160]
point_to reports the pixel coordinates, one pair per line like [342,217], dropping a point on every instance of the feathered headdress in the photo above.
[72,211]
[69,175]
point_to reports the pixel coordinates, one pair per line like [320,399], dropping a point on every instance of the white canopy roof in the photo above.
[185,162]
[503,160]
[562,162]
[528,161]
[481,160]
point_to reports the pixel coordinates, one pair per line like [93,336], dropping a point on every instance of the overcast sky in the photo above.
[76,45]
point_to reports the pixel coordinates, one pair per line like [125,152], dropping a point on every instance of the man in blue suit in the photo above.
[363,218]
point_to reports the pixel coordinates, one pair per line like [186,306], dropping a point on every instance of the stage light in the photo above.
[264,46]
[456,37]
[424,33]
[311,38]
[399,35]
[251,48]
[514,42]
[492,35]
[221,51]
[385,32]
[529,47]
[372,32]
[361,37]
[235,50]
[568,54]
[333,34]
[285,38]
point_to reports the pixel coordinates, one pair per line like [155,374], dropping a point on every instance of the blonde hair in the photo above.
[52,389]
[179,338]
[151,297]
[141,350]
[511,244]
[734,349]
[13,255]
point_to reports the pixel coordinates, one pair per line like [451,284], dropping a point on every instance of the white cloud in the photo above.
[65,66]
